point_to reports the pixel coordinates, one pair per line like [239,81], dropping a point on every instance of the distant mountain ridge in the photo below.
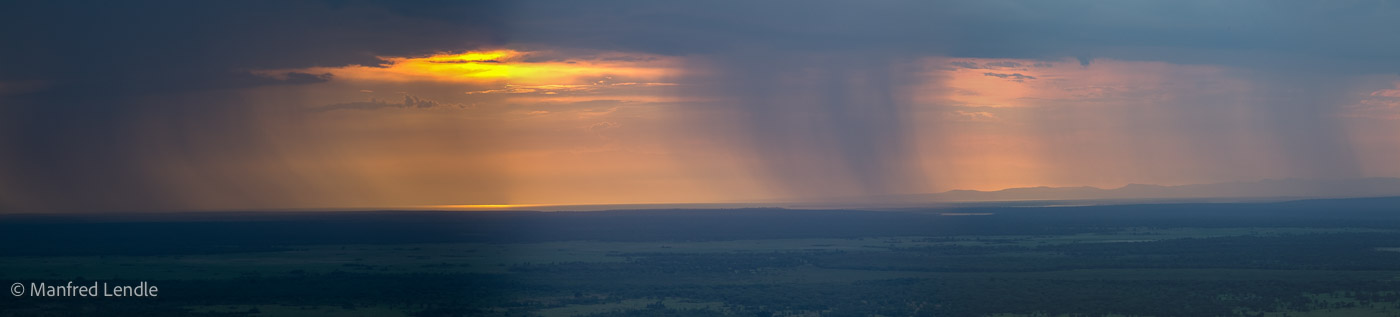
[1300,188]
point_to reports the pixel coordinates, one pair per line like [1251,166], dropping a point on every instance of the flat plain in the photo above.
[1299,258]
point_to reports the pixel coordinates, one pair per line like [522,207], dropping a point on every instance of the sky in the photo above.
[167,106]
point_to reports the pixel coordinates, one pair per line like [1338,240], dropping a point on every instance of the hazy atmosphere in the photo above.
[343,158]
[364,104]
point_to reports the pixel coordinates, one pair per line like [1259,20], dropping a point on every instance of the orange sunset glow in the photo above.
[612,158]
[532,124]
[551,72]
[989,128]
[493,129]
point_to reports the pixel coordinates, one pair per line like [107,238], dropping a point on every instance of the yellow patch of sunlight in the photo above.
[501,66]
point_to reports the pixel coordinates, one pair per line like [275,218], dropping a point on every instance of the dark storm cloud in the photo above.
[965,64]
[824,126]
[754,46]
[994,65]
[70,145]
[87,68]
[408,102]
[1004,64]
[168,45]
[304,78]
[1352,35]
[1013,76]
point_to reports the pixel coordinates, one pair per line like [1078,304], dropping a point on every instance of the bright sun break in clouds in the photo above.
[496,128]
[642,102]
[560,129]
[541,70]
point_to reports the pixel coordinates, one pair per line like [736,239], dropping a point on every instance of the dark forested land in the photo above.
[1298,258]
